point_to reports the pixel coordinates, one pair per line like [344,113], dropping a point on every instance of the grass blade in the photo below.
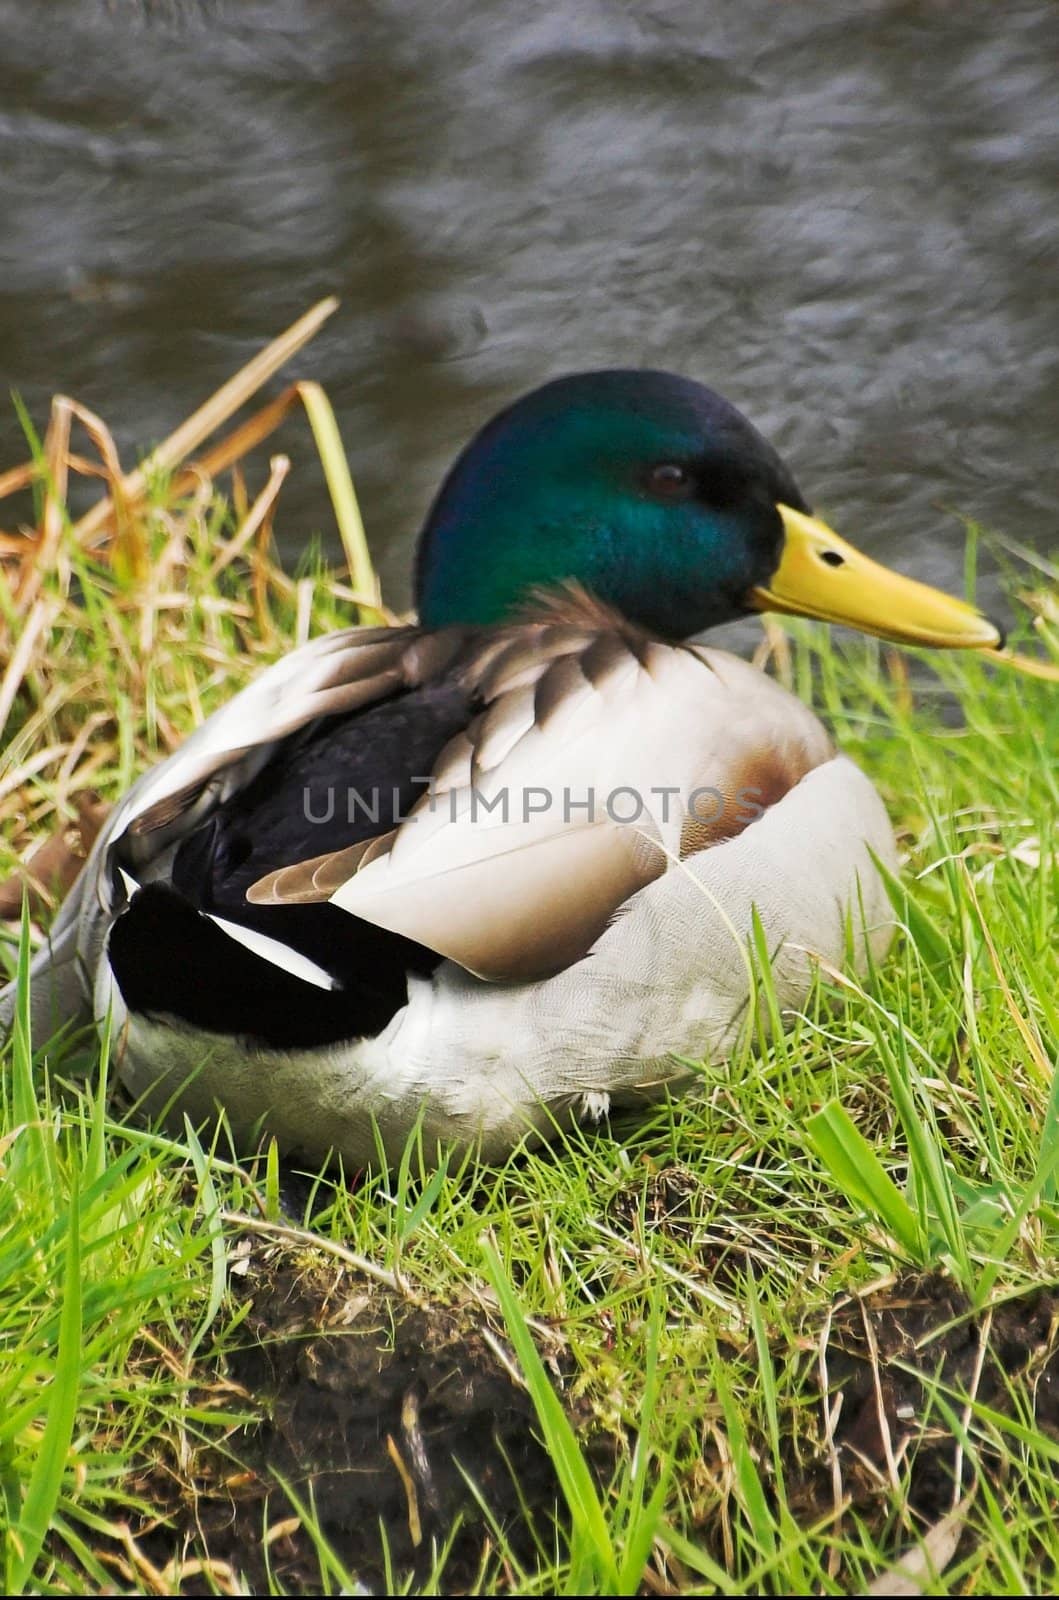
[343,498]
[857,1170]
[45,1484]
[571,1468]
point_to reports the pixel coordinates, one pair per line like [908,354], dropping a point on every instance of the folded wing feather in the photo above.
[566,795]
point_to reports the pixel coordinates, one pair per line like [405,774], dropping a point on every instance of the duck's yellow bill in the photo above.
[822,576]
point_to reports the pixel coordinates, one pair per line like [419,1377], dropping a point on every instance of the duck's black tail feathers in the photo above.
[170,958]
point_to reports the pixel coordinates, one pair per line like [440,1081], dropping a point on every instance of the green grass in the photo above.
[685,1265]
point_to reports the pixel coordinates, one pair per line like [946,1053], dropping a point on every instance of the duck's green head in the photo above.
[659,498]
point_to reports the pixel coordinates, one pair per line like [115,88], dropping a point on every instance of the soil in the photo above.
[379,1412]
[922,1332]
[380,1409]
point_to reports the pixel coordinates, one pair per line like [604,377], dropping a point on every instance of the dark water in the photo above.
[842,215]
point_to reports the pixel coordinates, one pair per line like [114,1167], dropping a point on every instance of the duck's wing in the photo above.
[598,758]
[333,676]
[330,677]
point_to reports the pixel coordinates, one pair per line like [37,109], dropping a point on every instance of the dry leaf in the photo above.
[922,1566]
[53,867]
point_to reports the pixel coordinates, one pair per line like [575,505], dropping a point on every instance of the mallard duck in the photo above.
[498,869]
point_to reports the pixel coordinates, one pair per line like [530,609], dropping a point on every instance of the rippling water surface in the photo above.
[841,215]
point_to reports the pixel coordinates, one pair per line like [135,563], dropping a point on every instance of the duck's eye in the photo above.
[669,480]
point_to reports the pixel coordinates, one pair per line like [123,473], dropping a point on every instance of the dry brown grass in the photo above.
[122,629]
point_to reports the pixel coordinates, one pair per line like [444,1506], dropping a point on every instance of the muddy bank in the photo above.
[894,1357]
[400,1420]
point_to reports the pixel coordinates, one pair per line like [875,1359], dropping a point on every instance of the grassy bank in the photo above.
[802,1323]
